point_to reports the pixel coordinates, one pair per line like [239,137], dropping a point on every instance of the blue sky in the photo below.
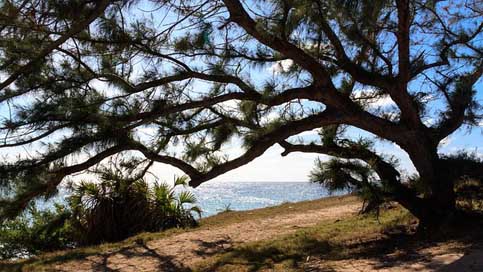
[271,166]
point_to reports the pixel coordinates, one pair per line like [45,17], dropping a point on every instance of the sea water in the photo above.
[215,197]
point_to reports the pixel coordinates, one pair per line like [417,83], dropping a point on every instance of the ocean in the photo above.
[215,197]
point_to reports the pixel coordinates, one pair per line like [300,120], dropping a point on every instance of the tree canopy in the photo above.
[84,80]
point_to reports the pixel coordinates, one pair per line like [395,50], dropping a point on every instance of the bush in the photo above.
[107,211]
[469,193]
[36,231]
[119,207]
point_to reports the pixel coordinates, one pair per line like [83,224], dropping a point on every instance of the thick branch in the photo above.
[356,71]
[386,172]
[400,95]
[459,106]
[239,15]
[53,180]
[264,142]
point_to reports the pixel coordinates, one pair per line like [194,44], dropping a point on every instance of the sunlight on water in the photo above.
[214,197]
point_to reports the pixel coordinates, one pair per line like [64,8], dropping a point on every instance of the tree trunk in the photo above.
[437,210]
[434,212]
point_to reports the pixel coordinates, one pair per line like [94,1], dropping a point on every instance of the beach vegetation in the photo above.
[83,81]
[109,210]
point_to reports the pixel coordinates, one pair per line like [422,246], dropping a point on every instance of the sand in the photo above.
[183,251]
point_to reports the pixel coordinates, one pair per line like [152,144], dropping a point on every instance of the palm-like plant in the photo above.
[35,231]
[119,207]
[175,210]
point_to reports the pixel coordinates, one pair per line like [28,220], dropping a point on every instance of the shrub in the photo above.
[469,194]
[171,210]
[110,210]
[36,231]
[118,207]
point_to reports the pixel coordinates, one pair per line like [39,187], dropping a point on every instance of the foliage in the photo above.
[327,240]
[107,211]
[117,207]
[470,194]
[353,177]
[36,231]
[466,168]
[85,80]
[462,169]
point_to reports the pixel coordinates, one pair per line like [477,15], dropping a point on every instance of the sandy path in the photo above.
[181,251]
[442,257]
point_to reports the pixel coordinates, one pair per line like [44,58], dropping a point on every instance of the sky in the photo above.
[271,166]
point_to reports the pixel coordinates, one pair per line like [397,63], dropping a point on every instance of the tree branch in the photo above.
[76,28]
[239,15]
[386,172]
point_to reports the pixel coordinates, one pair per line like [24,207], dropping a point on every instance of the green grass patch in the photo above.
[38,263]
[327,240]
[233,217]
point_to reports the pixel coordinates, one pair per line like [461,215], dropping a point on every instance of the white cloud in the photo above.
[271,116]
[281,66]
[309,133]
[383,101]
[230,104]
[367,95]
[429,121]
[271,166]
[308,136]
[285,65]
[98,84]
[3,76]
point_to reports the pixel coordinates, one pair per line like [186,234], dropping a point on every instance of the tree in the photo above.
[137,77]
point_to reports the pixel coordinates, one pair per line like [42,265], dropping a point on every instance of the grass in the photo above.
[348,238]
[322,245]
[233,217]
[328,240]
[38,263]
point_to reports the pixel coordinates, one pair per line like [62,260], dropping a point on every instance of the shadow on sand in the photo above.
[138,257]
[391,252]
[397,250]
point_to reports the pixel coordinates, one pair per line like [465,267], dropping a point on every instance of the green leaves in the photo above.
[186,197]
[121,206]
[340,175]
[182,180]
[196,150]
[168,77]
[350,176]
[222,134]
[36,231]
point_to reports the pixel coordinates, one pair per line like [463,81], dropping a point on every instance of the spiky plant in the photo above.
[174,210]
[83,80]
[118,207]
[350,176]
[111,210]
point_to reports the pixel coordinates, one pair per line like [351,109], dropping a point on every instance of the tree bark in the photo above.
[438,207]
